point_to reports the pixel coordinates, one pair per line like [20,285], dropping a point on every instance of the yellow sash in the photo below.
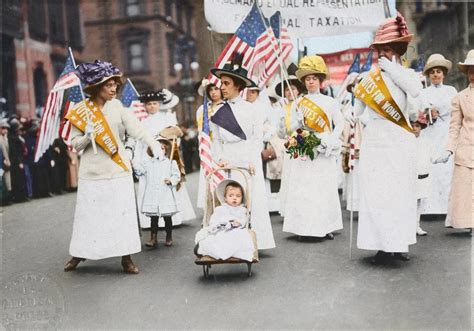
[104,136]
[287,109]
[375,94]
[314,116]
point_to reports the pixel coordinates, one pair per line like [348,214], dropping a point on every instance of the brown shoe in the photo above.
[153,243]
[168,242]
[128,266]
[72,263]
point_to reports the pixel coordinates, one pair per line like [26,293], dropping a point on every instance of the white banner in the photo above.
[302,18]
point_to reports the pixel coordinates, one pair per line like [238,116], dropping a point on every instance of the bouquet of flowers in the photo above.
[302,143]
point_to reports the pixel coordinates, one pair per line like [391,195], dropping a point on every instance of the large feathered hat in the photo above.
[234,69]
[93,74]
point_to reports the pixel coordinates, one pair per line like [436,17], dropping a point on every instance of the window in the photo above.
[136,61]
[74,27]
[8,69]
[56,21]
[37,19]
[132,7]
[39,83]
[134,43]
[169,9]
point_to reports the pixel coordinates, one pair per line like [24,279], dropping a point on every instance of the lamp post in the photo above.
[186,66]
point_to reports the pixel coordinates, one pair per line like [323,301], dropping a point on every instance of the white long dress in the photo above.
[224,241]
[155,123]
[239,152]
[438,96]
[312,203]
[387,210]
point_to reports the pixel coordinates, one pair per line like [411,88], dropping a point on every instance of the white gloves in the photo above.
[389,66]
[89,131]
[349,114]
[444,157]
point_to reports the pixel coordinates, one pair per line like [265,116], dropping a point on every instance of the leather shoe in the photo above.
[72,263]
[330,236]
[401,256]
[128,266]
[380,258]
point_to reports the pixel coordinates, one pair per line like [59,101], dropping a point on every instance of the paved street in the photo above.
[298,285]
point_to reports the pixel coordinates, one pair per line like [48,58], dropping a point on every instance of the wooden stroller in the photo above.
[212,202]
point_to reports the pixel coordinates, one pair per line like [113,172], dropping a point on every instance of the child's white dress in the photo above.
[225,241]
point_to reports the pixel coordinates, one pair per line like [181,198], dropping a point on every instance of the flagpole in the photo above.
[88,115]
[351,171]
[133,86]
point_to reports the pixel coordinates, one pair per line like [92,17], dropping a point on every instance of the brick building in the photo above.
[34,36]
[152,41]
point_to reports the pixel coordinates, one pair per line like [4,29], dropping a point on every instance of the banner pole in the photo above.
[88,115]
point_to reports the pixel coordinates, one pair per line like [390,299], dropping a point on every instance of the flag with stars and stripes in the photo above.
[254,39]
[284,46]
[51,118]
[129,98]
[207,161]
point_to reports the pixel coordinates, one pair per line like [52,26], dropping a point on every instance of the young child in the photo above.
[424,158]
[159,200]
[227,233]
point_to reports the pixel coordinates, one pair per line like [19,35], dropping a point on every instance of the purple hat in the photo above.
[93,74]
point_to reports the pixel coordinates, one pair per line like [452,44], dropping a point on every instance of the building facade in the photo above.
[444,27]
[152,41]
[35,35]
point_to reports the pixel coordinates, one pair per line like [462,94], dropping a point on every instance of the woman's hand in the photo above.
[434,113]
[236,224]
[167,181]
[222,163]
[89,131]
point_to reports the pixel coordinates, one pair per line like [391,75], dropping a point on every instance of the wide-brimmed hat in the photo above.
[220,190]
[469,61]
[171,132]
[312,65]
[393,30]
[93,74]
[4,123]
[205,83]
[234,69]
[292,80]
[151,96]
[437,60]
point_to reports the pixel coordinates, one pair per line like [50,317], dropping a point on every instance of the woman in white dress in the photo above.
[284,129]
[214,97]
[158,106]
[105,220]
[436,99]
[238,150]
[387,174]
[312,204]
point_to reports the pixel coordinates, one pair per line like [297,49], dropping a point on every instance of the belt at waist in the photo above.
[423,176]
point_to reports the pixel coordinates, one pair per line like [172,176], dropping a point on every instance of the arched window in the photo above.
[40,87]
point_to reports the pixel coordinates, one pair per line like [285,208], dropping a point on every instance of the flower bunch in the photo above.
[302,143]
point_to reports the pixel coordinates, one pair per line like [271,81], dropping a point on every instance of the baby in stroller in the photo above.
[227,234]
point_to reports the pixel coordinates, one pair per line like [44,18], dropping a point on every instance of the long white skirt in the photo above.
[105,220]
[441,175]
[201,195]
[225,244]
[351,188]
[184,205]
[312,204]
[387,209]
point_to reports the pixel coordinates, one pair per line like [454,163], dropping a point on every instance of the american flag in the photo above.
[283,45]
[51,118]
[254,39]
[368,63]
[130,100]
[74,96]
[205,154]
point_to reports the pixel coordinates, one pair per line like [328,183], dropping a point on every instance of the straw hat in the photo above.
[220,190]
[469,61]
[171,132]
[437,60]
[393,30]
[312,64]
[93,74]
[234,69]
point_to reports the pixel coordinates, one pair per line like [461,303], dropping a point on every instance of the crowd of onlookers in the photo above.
[56,171]
[22,178]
